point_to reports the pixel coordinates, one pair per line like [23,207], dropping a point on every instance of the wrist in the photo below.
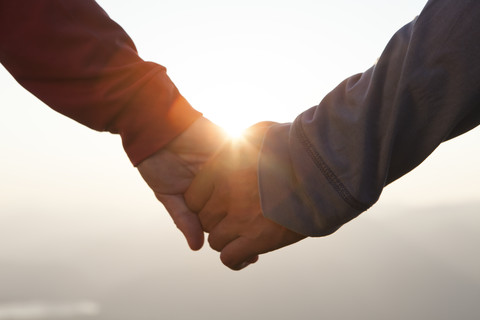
[201,136]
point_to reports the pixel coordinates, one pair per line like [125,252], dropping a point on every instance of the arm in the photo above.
[78,61]
[333,161]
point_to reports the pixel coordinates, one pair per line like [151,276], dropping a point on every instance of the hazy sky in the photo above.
[71,201]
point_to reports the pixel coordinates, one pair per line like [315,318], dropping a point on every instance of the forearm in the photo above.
[333,162]
[73,57]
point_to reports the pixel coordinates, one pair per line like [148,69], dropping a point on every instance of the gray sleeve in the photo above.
[334,160]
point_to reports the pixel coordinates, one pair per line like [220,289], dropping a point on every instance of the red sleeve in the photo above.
[78,61]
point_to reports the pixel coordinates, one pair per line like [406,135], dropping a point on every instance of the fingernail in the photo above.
[242,266]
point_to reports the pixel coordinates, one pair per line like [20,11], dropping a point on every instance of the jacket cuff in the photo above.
[157,116]
[294,192]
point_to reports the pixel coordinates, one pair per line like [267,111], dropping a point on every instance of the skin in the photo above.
[226,196]
[170,171]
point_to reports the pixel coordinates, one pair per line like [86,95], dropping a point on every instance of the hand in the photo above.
[225,194]
[170,171]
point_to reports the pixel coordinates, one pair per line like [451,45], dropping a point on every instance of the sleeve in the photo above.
[334,160]
[78,61]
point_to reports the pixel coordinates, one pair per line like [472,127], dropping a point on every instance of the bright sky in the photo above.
[239,62]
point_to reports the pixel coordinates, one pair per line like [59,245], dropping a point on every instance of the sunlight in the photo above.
[233,130]
[233,125]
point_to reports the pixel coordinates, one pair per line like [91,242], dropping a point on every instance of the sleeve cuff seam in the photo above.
[329,175]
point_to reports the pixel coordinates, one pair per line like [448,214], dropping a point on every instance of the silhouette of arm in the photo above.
[334,160]
[81,63]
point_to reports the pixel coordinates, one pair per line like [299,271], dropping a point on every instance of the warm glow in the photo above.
[234,125]
[233,130]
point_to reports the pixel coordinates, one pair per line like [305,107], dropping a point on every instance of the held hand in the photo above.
[225,195]
[170,171]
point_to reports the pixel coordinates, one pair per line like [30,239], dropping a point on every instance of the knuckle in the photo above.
[214,243]
[209,218]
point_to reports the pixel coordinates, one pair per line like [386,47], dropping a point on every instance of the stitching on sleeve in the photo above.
[326,171]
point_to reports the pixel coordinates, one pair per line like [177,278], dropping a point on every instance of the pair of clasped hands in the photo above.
[209,183]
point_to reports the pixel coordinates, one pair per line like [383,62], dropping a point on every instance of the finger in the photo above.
[209,217]
[185,220]
[253,260]
[222,235]
[214,210]
[201,189]
[246,263]
[239,253]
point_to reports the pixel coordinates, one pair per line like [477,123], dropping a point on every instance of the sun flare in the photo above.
[233,131]
[233,125]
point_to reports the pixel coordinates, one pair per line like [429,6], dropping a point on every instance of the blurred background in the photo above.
[82,237]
